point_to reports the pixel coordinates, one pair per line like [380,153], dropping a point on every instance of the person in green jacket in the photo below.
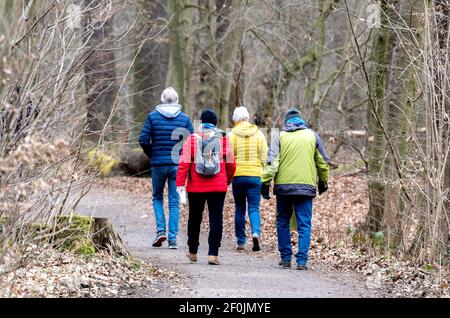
[298,163]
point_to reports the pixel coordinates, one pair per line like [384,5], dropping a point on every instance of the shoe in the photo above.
[213,260]
[192,257]
[173,245]
[256,247]
[285,264]
[302,268]
[159,240]
[240,248]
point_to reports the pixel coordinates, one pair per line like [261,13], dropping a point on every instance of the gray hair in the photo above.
[241,114]
[169,96]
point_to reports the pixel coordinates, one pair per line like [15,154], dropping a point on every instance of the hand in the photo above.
[323,187]
[181,189]
[182,194]
[265,191]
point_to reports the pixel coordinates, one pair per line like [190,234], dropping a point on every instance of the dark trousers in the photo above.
[196,207]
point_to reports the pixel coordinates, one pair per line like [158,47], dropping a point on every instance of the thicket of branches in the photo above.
[370,76]
[49,76]
[408,125]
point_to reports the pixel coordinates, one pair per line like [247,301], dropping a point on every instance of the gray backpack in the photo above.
[207,158]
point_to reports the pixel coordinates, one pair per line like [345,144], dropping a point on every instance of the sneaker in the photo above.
[192,257]
[256,247]
[240,248]
[160,238]
[213,260]
[173,245]
[302,268]
[285,264]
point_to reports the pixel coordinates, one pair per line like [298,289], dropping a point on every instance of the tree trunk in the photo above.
[149,70]
[180,50]
[82,235]
[402,90]
[431,241]
[444,24]
[376,118]
[100,68]
[106,238]
[312,90]
[203,59]
[228,59]
[439,137]
[9,9]
[208,72]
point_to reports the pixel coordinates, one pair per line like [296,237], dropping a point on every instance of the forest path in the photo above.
[242,274]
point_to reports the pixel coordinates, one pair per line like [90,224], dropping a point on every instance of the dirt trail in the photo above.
[244,274]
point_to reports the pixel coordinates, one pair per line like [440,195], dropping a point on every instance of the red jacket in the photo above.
[198,183]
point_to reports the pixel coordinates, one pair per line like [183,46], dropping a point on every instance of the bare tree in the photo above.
[100,66]
[409,192]
[44,119]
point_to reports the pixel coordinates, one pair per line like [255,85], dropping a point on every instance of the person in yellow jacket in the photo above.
[251,151]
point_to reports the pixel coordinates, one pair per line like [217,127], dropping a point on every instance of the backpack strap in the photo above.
[196,137]
[199,139]
[224,148]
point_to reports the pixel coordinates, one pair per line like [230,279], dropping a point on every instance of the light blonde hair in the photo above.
[241,114]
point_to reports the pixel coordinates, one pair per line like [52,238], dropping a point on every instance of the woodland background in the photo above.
[78,78]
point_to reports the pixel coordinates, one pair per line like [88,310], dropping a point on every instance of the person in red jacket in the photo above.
[203,188]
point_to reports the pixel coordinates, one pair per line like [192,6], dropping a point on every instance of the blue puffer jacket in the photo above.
[163,135]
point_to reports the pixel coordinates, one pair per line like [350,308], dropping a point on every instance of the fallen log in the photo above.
[332,136]
[130,162]
[133,162]
[354,133]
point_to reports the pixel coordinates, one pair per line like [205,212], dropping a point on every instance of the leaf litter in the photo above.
[54,274]
[336,214]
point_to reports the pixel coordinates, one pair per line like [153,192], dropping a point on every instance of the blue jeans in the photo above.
[247,189]
[159,177]
[286,205]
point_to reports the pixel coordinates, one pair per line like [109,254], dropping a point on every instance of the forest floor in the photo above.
[338,268]
[242,274]
[52,274]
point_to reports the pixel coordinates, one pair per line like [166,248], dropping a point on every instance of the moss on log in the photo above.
[72,233]
[81,235]
[88,235]
[102,161]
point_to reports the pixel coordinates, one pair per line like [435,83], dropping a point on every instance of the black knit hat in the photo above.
[291,113]
[209,117]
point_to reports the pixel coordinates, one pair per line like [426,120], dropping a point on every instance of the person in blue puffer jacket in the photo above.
[162,139]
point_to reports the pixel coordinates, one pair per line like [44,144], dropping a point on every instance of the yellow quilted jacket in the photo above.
[250,149]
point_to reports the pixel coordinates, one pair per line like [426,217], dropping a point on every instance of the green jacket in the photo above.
[297,160]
